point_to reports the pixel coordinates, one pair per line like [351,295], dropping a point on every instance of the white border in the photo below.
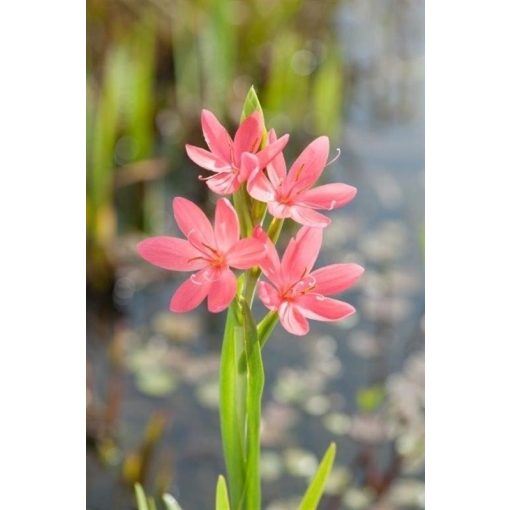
[467,254]
[42,213]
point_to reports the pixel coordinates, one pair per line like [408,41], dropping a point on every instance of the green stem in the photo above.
[242,205]
[258,212]
[274,229]
[265,327]
[252,277]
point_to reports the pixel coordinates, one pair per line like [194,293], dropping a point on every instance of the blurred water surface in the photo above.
[152,390]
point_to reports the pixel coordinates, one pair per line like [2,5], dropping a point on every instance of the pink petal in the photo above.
[276,169]
[248,136]
[246,253]
[226,225]
[223,183]
[336,278]
[301,254]
[190,218]
[269,296]
[270,265]
[249,166]
[222,292]
[309,217]
[328,196]
[279,210]
[171,253]
[216,136]
[320,308]
[190,294]
[292,319]
[268,153]
[260,188]
[208,275]
[308,166]
[206,159]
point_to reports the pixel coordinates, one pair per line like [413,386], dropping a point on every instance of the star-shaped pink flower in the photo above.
[209,251]
[290,195]
[295,291]
[232,161]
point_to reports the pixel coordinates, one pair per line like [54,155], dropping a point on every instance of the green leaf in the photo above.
[369,399]
[152,504]
[170,502]
[313,495]
[254,389]
[231,413]
[222,495]
[251,104]
[141,499]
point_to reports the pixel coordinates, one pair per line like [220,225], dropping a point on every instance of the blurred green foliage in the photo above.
[153,65]
[144,502]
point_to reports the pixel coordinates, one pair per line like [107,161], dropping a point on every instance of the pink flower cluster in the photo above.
[292,288]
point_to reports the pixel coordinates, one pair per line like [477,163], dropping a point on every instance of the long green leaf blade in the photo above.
[222,495]
[314,492]
[254,389]
[232,427]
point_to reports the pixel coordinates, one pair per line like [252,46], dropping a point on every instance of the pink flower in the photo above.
[209,251]
[298,293]
[233,161]
[289,195]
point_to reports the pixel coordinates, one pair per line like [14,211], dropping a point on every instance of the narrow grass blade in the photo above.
[218,49]
[141,499]
[139,109]
[314,492]
[222,495]
[170,502]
